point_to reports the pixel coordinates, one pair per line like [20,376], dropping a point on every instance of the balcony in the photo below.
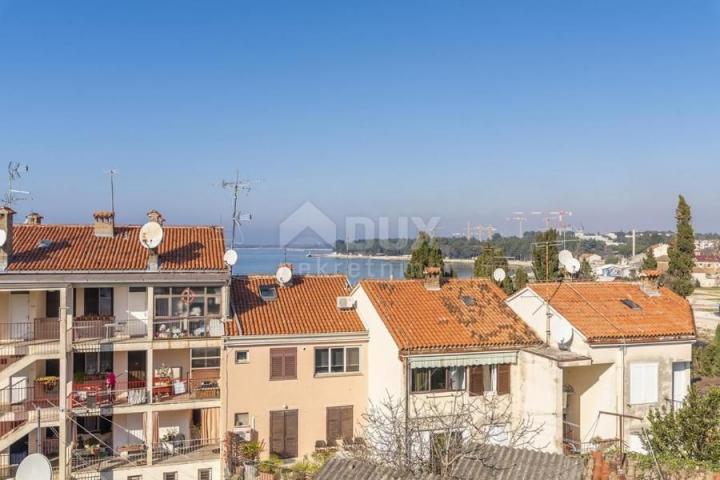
[107,328]
[185,389]
[185,450]
[100,458]
[39,336]
[187,327]
[21,399]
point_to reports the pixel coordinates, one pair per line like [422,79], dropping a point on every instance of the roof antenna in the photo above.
[112,173]
[237,186]
[15,171]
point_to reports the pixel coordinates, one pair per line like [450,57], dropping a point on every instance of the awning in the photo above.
[463,360]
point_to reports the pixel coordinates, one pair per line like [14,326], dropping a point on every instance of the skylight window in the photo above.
[468,300]
[44,243]
[630,304]
[268,292]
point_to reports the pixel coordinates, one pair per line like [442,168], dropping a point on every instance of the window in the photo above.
[52,304]
[643,383]
[490,379]
[134,477]
[339,424]
[187,301]
[242,419]
[242,356]
[337,360]
[284,433]
[438,379]
[283,363]
[98,301]
[205,357]
[204,474]
[170,476]
[630,304]
[268,292]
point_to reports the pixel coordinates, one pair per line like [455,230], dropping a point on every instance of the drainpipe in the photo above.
[408,379]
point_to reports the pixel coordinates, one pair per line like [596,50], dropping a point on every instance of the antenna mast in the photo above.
[237,186]
[15,171]
[112,173]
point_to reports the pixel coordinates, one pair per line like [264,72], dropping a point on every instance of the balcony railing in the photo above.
[99,457]
[95,394]
[27,398]
[37,330]
[196,448]
[185,388]
[108,328]
[176,327]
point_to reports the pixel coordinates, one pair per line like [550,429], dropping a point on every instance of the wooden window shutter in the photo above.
[291,363]
[277,432]
[276,364]
[283,363]
[346,422]
[333,430]
[291,433]
[476,385]
[503,379]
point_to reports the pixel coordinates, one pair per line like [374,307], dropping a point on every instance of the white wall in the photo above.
[127,430]
[186,471]
[175,422]
[385,370]
[120,302]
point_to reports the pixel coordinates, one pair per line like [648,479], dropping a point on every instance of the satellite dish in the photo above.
[573,266]
[563,334]
[151,235]
[3,237]
[34,467]
[499,275]
[283,275]
[230,257]
[564,257]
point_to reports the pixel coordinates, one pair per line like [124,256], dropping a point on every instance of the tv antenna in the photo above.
[113,172]
[237,187]
[15,171]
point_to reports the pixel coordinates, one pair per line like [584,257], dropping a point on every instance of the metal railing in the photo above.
[27,398]
[37,330]
[99,458]
[108,328]
[95,394]
[184,327]
[185,388]
[190,448]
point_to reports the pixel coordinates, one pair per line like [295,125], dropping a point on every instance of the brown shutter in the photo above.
[503,379]
[291,364]
[476,385]
[291,433]
[346,422]
[283,363]
[276,364]
[277,432]
[333,425]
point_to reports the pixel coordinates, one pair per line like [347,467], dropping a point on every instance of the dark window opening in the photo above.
[630,304]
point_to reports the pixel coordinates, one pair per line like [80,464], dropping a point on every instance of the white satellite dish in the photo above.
[151,235]
[563,334]
[230,257]
[499,275]
[283,275]
[34,467]
[573,266]
[3,237]
[564,257]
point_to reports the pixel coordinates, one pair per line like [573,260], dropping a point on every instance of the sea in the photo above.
[266,261]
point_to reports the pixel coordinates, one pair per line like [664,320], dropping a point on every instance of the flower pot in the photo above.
[266,476]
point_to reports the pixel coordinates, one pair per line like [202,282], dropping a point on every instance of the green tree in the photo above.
[691,432]
[521,279]
[545,256]
[650,262]
[586,271]
[507,285]
[490,258]
[425,253]
[682,252]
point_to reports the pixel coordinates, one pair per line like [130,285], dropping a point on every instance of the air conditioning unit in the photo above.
[345,303]
[245,433]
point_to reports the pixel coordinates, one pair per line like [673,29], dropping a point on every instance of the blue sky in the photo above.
[462,110]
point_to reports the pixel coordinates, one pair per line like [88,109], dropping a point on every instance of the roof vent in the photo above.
[432,276]
[345,303]
[631,304]
[268,292]
[33,218]
[155,216]
[104,223]
[44,243]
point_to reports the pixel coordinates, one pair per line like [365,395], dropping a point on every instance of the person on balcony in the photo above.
[110,384]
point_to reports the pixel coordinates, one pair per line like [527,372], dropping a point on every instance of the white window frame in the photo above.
[200,472]
[205,358]
[329,364]
[167,477]
[490,378]
[643,383]
[247,356]
[235,418]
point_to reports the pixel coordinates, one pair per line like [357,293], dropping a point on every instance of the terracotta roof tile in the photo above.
[75,247]
[462,314]
[597,311]
[307,306]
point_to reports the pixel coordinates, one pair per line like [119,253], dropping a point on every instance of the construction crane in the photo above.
[520,218]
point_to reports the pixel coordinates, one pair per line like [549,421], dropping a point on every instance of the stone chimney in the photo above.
[155,216]
[6,225]
[650,282]
[104,224]
[433,277]
[33,218]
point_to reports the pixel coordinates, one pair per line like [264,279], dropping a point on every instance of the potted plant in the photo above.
[270,468]
[167,441]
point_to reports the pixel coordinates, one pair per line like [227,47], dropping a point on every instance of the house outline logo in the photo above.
[307,220]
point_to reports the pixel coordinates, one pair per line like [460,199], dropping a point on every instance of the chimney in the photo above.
[155,216]
[650,282]
[104,224]
[432,278]
[33,218]
[6,225]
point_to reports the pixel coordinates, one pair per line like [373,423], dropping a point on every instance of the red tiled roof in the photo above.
[75,247]
[463,314]
[597,311]
[308,306]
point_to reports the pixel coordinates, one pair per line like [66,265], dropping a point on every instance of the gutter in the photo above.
[296,339]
